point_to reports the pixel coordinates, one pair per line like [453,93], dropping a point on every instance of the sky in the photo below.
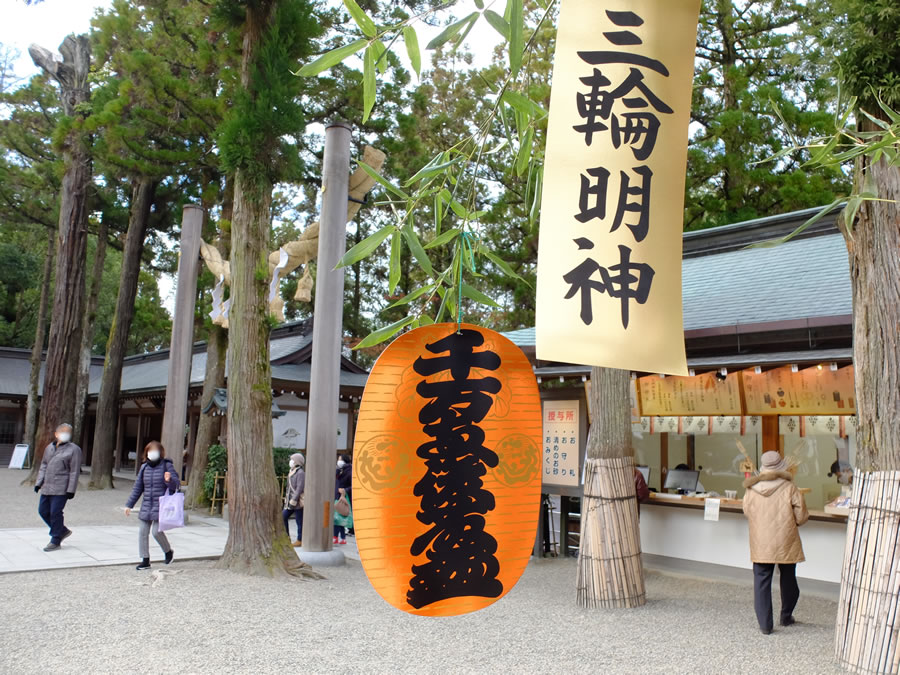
[49,22]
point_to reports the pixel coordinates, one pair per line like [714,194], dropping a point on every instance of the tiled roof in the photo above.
[803,278]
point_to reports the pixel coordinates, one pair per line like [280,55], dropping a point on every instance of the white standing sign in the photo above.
[20,452]
[711,512]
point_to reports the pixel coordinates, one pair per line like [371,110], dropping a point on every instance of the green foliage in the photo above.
[217,463]
[867,44]
[260,134]
[282,457]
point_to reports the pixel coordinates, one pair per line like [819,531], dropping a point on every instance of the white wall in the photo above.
[683,533]
[289,431]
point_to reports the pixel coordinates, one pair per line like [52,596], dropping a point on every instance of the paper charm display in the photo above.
[446,469]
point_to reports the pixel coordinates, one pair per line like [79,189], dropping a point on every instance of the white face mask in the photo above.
[64,437]
[291,464]
[153,455]
[341,463]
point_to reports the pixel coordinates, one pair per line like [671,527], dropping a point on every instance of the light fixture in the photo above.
[539,379]
[758,370]
[691,372]
[833,366]
[584,378]
[795,368]
[662,376]
[819,367]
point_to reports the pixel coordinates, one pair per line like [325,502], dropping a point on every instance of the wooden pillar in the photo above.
[663,458]
[691,461]
[771,439]
[324,386]
[120,438]
[140,438]
[181,348]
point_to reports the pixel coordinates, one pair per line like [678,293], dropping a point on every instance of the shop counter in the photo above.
[676,528]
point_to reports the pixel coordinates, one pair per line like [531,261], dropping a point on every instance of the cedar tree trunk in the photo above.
[257,542]
[610,572]
[61,372]
[142,192]
[87,332]
[37,349]
[209,427]
[869,577]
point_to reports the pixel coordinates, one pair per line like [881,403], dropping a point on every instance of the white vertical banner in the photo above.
[609,260]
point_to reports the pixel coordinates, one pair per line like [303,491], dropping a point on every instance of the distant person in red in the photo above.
[641,489]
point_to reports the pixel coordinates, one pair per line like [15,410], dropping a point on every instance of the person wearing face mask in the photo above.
[57,481]
[156,476]
[343,486]
[293,498]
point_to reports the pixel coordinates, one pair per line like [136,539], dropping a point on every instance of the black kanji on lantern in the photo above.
[461,554]
[625,281]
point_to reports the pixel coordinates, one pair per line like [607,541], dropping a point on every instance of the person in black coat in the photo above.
[156,476]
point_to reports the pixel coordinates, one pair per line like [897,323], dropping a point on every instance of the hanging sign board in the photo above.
[813,391]
[704,394]
[446,469]
[609,258]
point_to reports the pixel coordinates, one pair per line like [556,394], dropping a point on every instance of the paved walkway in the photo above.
[21,549]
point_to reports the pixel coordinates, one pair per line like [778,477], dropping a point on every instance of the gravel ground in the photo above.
[202,620]
[19,504]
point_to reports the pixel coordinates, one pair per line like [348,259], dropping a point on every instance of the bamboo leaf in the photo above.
[409,297]
[498,23]
[368,83]
[426,320]
[449,235]
[332,58]
[366,246]
[394,273]
[462,38]
[380,56]
[477,296]
[812,221]
[451,31]
[438,213]
[516,26]
[430,170]
[536,204]
[499,262]
[522,104]
[382,181]
[366,25]
[412,48]
[524,152]
[458,209]
[415,246]
[382,334]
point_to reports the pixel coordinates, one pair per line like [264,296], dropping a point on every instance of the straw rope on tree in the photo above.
[610,572]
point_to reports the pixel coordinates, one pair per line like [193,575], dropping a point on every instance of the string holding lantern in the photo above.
[446,471]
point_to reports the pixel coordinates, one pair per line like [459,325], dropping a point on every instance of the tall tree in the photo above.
[748,54]
[37,348]
[60,379]
[266,111]
[868,50]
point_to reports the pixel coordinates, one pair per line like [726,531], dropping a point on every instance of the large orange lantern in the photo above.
[446,469]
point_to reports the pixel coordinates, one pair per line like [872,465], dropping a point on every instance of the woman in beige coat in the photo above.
[775,509]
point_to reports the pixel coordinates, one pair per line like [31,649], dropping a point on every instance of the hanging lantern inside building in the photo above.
[446,470]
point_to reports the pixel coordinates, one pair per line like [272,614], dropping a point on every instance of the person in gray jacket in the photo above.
[293,497]
[57,481]
[156,476]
